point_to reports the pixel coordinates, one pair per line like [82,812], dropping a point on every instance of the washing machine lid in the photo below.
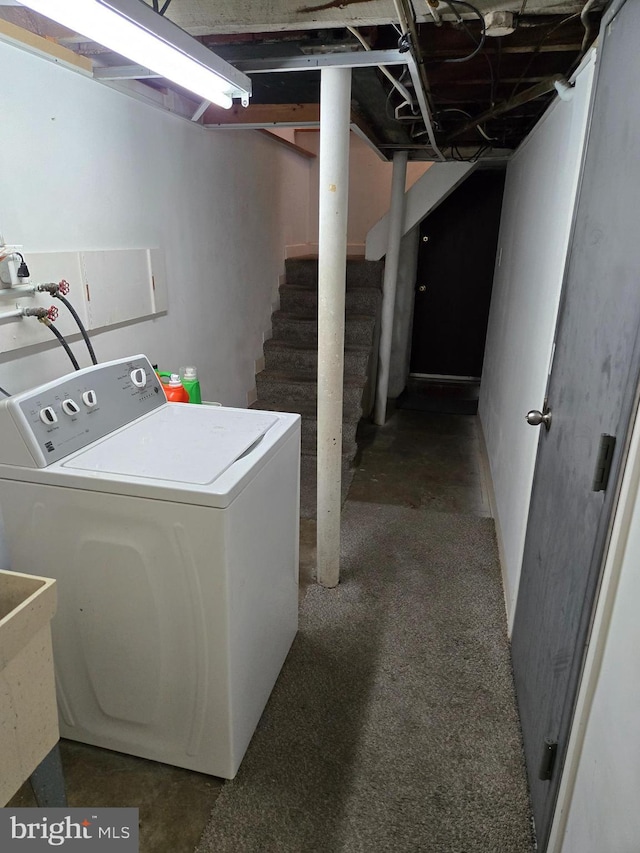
[178,443]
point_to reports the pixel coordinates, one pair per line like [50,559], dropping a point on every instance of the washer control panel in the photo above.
[66,415]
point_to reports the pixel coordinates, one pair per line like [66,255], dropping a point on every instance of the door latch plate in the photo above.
[548,760]
[603,463]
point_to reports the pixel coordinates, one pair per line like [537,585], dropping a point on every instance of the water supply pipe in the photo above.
[9,315]
[18,290]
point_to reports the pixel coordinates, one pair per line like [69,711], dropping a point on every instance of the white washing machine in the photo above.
[172,531]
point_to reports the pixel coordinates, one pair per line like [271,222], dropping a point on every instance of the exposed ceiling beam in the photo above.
[524,97]
[19,37]
[479,81]
[406,16]
[349,59]
[565,47]
[425,109]
[263,115]
[202,18]
[124,72]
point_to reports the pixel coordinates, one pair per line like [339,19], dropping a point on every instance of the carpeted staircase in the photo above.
[289,381]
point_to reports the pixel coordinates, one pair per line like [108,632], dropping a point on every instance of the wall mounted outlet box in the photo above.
[9,272]
[500,23]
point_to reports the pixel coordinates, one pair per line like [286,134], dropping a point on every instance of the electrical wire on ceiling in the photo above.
[460,19]
[456,154]
[455,7]
[408,99]
[478,44]
[586,23]
[407,16]
[478,47]
[479,127]
[397,111]
[537,49]
[584,18]
[161,9]
[458,157]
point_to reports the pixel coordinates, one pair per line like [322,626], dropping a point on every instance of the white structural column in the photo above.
[335,114]
[396,217]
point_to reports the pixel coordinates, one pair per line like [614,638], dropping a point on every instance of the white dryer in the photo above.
[172,531]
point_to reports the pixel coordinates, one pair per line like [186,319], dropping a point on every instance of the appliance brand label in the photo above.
[86,830]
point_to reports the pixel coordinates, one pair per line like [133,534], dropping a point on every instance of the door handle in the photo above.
[536,417]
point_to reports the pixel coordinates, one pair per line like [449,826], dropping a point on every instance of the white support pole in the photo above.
[335,113]
[392,260]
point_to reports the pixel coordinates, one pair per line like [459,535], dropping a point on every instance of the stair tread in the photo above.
[287,315]
[308,377]
[281,343]
[312,257]
[289,357]
[305,409]
[306,286]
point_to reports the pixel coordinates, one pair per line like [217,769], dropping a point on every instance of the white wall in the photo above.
[538,205]
[369,188]
[85,167]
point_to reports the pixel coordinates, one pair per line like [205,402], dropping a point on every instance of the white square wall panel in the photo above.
[106,288]
[119,286]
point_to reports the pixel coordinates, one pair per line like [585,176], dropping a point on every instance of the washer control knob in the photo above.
[48,416]
[70,407]
[139,377]
[89,399]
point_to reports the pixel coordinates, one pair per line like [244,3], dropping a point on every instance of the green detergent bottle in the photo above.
[190,382]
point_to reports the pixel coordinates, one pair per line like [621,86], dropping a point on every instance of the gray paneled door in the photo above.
[592,390]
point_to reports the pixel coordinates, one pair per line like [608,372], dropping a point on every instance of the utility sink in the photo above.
[28,713]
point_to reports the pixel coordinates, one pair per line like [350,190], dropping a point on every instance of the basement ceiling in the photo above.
[472,89]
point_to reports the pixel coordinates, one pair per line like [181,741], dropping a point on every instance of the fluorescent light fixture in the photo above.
[133,29]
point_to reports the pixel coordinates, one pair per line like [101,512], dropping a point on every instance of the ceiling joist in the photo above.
[453,88]
[263,115]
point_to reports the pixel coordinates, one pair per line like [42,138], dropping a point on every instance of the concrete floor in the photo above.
[418,459]
[422,460]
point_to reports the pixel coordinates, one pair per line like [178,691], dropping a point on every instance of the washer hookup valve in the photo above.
[54,289]
[50,314]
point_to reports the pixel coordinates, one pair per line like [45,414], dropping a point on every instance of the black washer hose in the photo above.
[74,314]
[64,343]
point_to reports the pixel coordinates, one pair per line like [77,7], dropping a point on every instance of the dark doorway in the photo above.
[455,275]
